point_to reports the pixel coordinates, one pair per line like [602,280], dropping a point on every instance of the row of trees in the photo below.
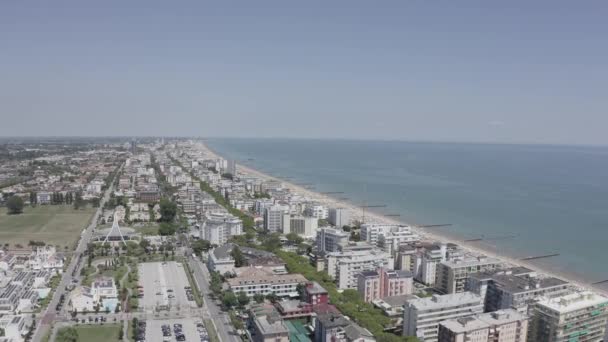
[58,197]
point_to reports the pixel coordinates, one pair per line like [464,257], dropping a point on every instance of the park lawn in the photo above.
[148,228]
[98,333]
[54,224]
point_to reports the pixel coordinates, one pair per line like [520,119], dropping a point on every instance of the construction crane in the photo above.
[392,215]
[332,193]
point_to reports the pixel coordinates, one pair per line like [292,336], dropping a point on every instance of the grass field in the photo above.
[98,333]
[53,224]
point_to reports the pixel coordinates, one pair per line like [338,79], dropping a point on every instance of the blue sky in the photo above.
[515,71]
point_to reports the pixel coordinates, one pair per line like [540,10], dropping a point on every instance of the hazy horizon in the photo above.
[476,72]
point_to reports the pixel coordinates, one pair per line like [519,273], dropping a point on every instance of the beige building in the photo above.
[382,283]
[499,326]
[254,281]
[452,275]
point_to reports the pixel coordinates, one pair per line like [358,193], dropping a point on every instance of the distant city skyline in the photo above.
[516,72]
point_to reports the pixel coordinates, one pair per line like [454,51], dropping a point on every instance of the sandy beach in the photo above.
[371,217]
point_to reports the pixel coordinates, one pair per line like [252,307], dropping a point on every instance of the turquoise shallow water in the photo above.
[553,199]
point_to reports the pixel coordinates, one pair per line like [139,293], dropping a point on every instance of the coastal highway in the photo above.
[222,323]
[46,318]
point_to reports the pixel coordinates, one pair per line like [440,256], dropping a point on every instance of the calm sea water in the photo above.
[552,199]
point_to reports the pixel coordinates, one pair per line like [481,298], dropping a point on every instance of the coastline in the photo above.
[424,233]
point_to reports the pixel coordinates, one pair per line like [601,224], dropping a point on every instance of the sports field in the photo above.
[53,224]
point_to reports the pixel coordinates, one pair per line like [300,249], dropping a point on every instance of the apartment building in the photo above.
[334,327]
[273,218]
[396,236]
[452,275]
[499,326]
[254,281]
[383,283]
[370,231]
[579,316]
[331,240]
[345,267]
[515,288]
[317,211]
[304,226]
[421,317]
[217,227]
[339,217]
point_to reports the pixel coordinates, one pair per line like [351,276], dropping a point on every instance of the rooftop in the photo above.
[315,288]
[223,251]
[261,276]
[465,324]
[501,317]
[468,262]
[574,301]
[439,301]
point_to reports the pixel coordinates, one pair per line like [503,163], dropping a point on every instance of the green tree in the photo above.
[67,335]
[294,238]
[166,229]
[237,255]
[229,300]
[272,242]
[272,297]
[144,243]
[243,299]
[33,198]
[78,202]
[258,297]
[14,205]
[168,210]
[200,246]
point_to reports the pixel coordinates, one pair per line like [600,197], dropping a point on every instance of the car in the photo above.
[158,293]
[170,290]
[171,296]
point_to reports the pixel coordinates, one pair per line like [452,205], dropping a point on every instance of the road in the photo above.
[221,320]
[49,315]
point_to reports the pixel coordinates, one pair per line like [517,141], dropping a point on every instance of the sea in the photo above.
[522,200]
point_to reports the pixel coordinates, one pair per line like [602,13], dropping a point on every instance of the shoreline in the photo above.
[423,233]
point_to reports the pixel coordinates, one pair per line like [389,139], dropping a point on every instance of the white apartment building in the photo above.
[579,316]
[452,275]
[498,326]
[345,267]
[331,240]
[421,317]
[425,263]
[304,226]
[217,228]
[273,218]
[339,217]
[317,211]
[370,232]
[255,280]
[391,240]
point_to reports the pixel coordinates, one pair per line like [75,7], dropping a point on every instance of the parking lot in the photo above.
[187,329]
[164,285]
